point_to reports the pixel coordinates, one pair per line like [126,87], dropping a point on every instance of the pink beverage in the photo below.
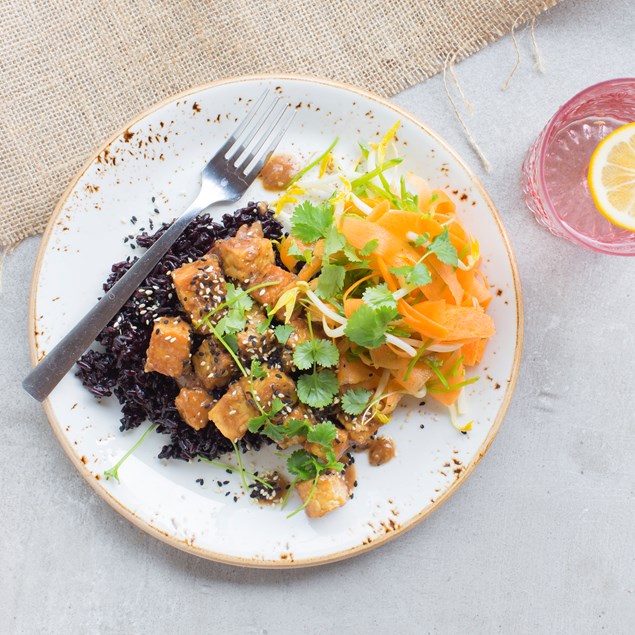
[555,171]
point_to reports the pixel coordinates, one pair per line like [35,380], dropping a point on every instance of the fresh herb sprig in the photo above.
[354,401]
[232,468]
[232,297]
[313,163]
[113,472]
[418,274]
[305,466]
[367,326]
[317,388]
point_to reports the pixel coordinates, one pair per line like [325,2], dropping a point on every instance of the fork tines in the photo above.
[251,144]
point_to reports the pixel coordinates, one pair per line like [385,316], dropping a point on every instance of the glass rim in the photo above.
[549,208]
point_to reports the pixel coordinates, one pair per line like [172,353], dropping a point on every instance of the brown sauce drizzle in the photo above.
[278,171]
[350,477]
[381,450]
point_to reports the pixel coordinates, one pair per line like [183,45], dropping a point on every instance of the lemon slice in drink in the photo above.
[612,177]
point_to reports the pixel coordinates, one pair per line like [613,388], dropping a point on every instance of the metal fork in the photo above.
[223,180]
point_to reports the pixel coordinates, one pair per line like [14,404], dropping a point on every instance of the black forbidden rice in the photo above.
[117,367]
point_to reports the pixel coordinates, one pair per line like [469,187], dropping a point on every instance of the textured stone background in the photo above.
[540,538]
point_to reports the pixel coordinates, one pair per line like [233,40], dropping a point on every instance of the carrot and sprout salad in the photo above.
[392,276]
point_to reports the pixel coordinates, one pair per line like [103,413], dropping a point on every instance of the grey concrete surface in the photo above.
[539,540]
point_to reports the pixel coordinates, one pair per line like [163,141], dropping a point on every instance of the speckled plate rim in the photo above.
[353,551]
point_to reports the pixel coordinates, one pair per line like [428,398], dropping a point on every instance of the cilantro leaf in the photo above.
[232,322]
[330,281]
[276,407]
[264,325]
[325,353]
[354,401]
[318,388]
[311,222]
[237,305]
[443,249]
[303,355]
[351,253]
[256,423]
[367,325]
[305,256]
[296,427]
[417,275]
[264,422]
[237,298]
[379,296]
[369,247]
[294,250]
[283,332]
[334,241]
[302,465]
[323,433]
[401,271]
[315,351]
[231,341]
[256,371]
[422,239]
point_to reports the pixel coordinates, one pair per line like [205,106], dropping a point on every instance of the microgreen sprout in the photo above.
[113,472]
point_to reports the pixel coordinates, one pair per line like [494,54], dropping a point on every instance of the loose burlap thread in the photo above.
[73,72]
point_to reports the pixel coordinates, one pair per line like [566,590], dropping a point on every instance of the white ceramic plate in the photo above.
[162,159]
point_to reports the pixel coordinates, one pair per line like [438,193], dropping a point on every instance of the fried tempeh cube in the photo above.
[246,254]
[330,493]
[200,286]
[194,405]
[275,384]
[253,344]
[232,413]
[249,258]
[268,296]
[359,432]
[213,365]
[169,349]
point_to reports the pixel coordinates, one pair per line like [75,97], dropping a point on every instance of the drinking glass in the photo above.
[554,174]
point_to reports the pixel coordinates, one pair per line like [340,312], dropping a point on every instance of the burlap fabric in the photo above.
[71,72]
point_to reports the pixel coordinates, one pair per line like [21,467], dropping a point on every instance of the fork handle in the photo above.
[48,373]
